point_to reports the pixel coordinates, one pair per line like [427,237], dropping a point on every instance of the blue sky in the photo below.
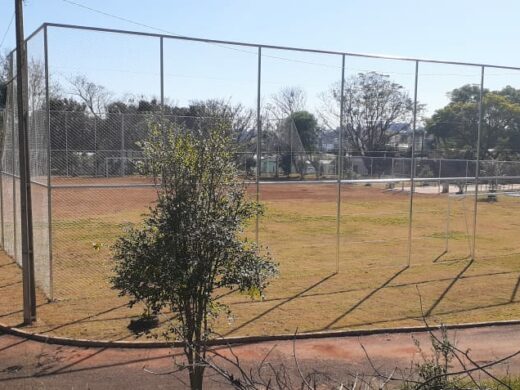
[460,30]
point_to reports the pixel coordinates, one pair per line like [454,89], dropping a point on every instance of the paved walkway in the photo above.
[27,364]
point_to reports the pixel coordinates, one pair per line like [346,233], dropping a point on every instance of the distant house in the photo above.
[329,141]
[402,138]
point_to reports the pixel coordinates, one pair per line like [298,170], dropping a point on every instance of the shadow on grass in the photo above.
[515,290]
[350,290]
[11,284]
[365,298]
[283,302]
[419,318]
[445,292]
[83,319]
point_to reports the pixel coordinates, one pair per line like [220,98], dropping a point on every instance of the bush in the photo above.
[189,245]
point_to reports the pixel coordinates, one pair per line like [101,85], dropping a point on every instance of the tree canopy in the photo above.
[455,125]
[307,128]
[372,104]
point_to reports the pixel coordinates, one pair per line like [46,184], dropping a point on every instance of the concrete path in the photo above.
[31,365]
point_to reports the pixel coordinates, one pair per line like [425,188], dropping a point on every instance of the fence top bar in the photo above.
[256,45]
[303,182]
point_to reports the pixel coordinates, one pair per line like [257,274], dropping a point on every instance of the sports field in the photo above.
[374,287]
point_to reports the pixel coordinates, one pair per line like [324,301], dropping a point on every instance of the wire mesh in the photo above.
[315,213]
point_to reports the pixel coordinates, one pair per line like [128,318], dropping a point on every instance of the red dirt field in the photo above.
[27,364]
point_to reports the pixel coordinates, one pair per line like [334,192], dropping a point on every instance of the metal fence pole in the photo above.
[95,147]
[448,217]
[466,177]
[477,162]
[13,170]
[122,168]
[258,137]
[66,143]
[49,171]
[412,165]
[161,49]
[340,160]
[440,170]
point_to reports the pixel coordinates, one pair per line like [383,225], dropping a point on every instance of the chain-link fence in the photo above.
[332,202]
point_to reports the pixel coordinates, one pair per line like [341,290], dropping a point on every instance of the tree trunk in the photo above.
[196,378]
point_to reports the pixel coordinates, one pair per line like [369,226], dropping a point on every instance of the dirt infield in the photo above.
[374,286]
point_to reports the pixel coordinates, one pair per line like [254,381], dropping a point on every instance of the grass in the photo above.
[373,288]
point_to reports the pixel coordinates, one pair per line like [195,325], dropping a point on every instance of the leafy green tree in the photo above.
[189,245]
[455,125]
[307,128]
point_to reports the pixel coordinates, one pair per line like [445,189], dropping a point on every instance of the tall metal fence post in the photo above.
[466,177]
[122,168]
[13,170]
[448,217]
[258,137]
[440,174]
[412,165]
[477,162]
[340,160]
[95,148]
[67,143]
[161,68]
[49,170]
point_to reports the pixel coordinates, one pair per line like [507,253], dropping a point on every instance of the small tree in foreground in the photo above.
[189,245]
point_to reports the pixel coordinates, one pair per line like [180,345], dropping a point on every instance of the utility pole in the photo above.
[29,291]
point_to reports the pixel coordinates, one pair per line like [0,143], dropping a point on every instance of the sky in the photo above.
[456,30]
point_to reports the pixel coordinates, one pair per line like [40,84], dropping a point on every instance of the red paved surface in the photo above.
[27,364]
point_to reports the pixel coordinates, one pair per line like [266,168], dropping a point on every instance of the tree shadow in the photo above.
[283,302]
[365,298]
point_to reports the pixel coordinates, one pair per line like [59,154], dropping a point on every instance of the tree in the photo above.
[286,102]
[372,103]
[4,78]
[303,126]
[189,245]
[455,125]
[95,96]
[307,127]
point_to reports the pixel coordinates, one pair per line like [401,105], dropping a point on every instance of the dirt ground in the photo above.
[374,287]
[26,364]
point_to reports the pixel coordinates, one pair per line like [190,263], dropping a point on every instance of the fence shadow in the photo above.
[365,298]
[445,292]
[286,300]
